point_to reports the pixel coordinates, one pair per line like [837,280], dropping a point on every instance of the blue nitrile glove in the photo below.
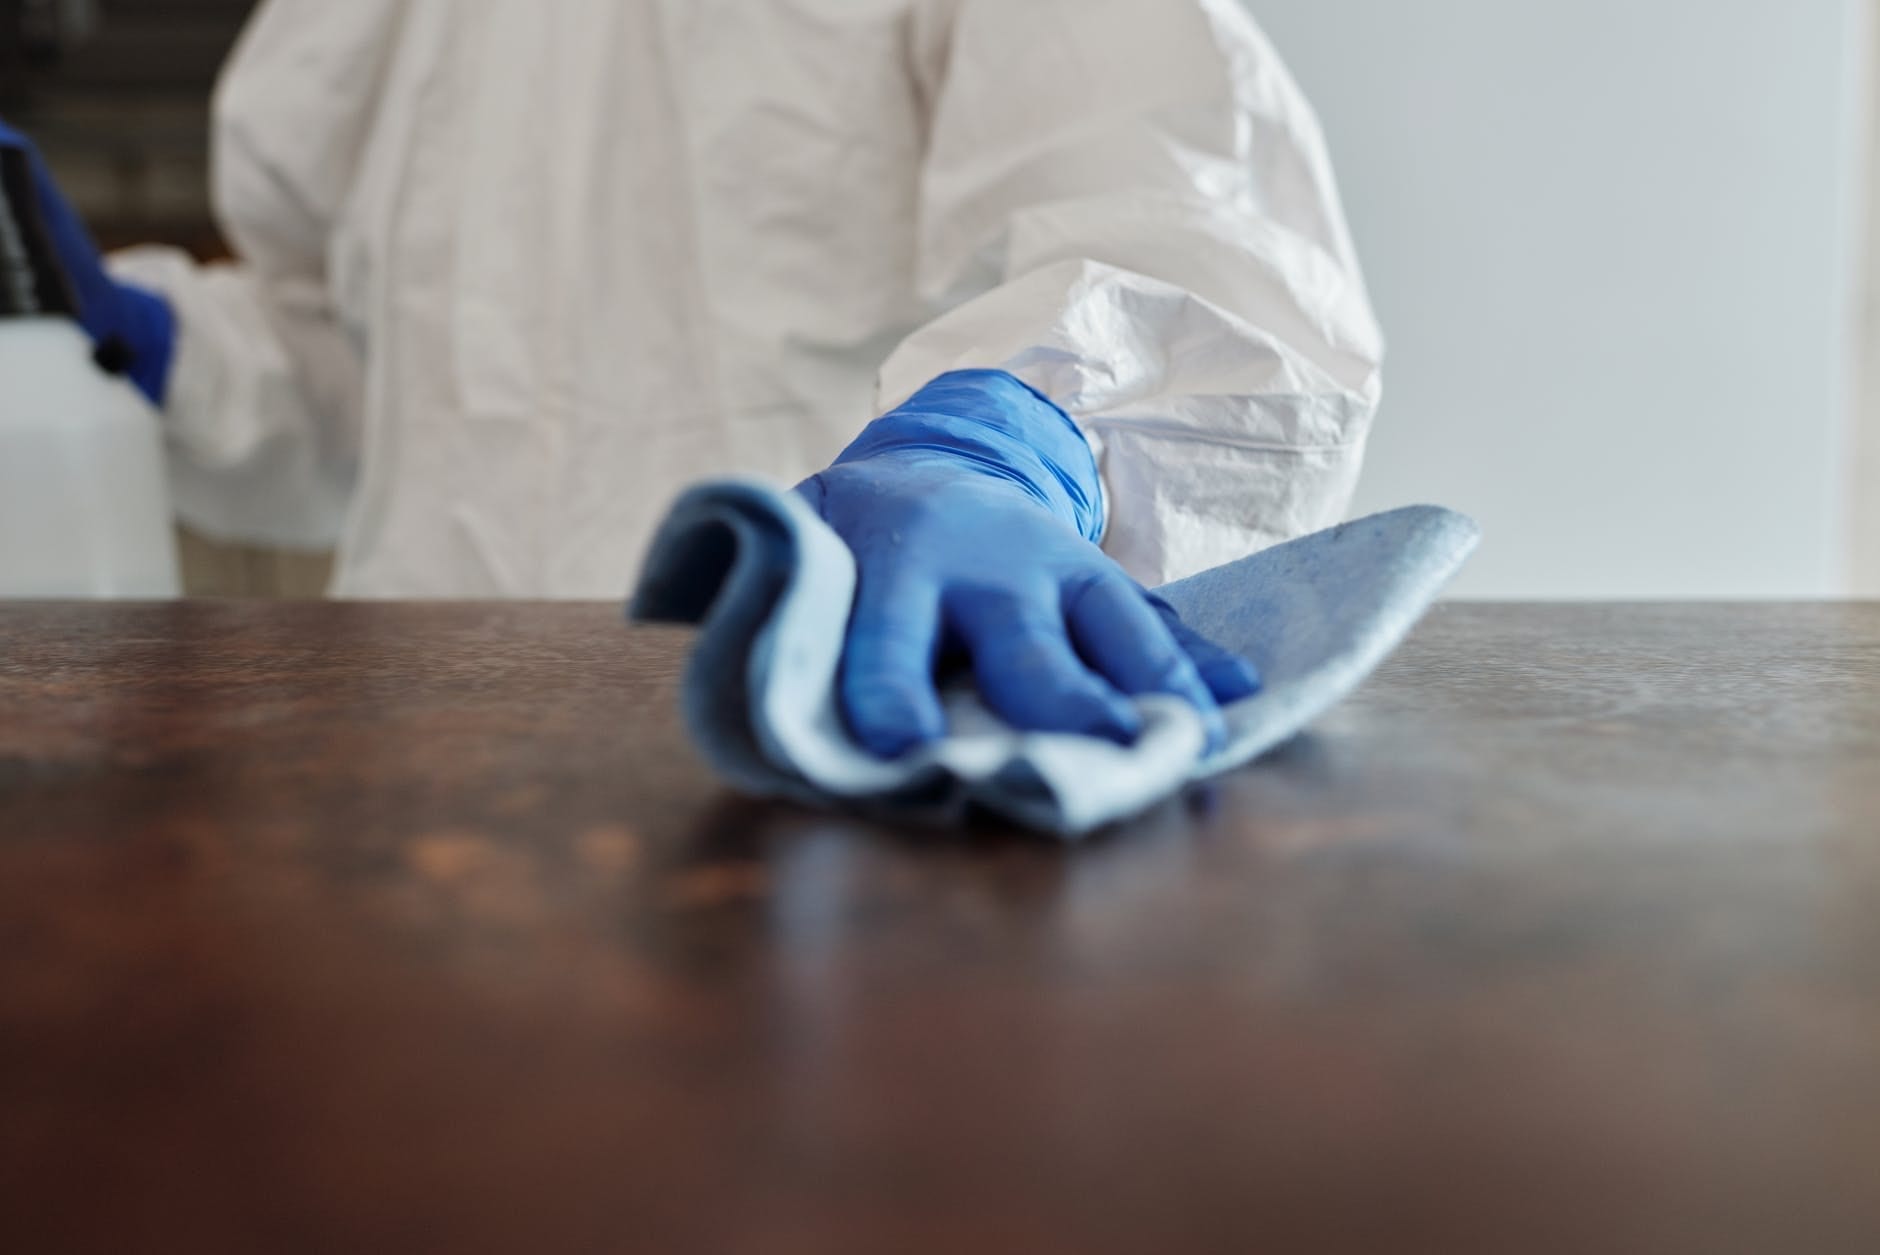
[133,330]
[973,512]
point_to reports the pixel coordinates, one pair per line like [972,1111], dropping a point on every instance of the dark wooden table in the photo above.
[368,928]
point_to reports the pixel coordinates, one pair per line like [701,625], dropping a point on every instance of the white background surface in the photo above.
[1614,244]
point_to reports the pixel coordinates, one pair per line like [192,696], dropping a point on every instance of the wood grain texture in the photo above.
[347,927]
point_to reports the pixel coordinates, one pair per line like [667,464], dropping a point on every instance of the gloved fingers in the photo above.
[1029,674]
[17,139]
[1128,642]
[1228,676]
[886,684]
[77,254]
[49,198]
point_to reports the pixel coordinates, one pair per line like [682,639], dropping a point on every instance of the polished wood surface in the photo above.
[362,928]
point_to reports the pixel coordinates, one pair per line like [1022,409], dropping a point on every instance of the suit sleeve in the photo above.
[1129,205]
[266,391]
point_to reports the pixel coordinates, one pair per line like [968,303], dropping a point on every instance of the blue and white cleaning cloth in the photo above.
[772,587]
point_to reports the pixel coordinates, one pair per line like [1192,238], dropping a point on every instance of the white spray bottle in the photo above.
[84,496]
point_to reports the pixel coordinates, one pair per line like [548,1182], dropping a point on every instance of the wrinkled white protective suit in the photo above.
[515,271]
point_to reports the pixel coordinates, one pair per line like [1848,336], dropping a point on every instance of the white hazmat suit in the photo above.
[513,272]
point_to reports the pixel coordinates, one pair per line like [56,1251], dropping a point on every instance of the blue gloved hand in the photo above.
[133,330]
[973,514]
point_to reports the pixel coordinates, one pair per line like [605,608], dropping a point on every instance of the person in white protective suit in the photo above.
[513,272]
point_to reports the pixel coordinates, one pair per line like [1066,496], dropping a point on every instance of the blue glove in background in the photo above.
[133,330]
[973,512]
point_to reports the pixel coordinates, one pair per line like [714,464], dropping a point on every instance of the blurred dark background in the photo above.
[116,93]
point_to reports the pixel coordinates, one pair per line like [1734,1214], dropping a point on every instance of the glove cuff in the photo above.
[999,425]
[135,337]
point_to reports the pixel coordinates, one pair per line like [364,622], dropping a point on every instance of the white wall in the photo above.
[1614,244]
[1865,468]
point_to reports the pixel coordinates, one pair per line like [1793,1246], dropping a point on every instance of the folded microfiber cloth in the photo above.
[772,587]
